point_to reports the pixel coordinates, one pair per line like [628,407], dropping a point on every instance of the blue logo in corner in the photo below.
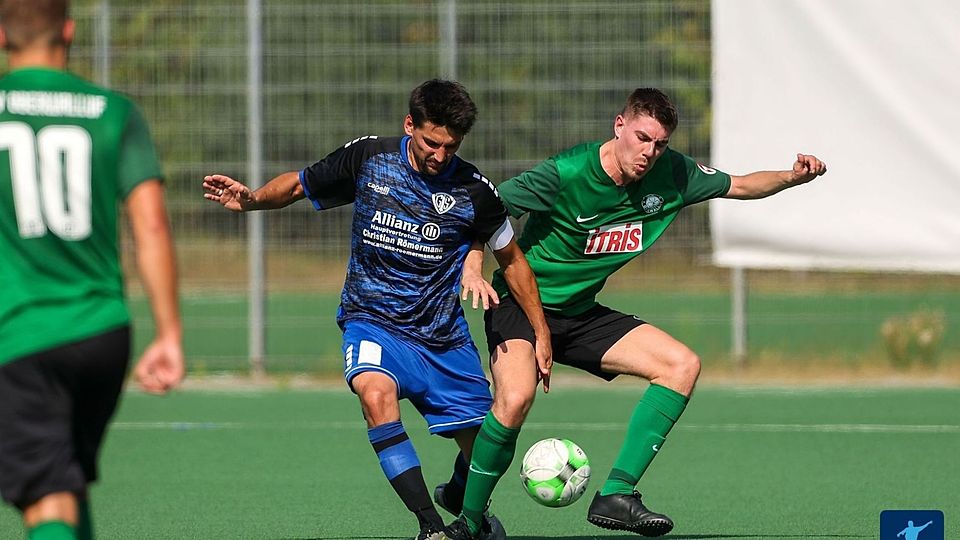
[911,525]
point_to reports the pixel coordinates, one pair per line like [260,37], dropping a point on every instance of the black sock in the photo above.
[401,465]
[453,493]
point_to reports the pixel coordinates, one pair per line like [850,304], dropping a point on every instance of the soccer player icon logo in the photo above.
[899,524]
[910,532]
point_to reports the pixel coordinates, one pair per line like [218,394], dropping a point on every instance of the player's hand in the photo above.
[161,367]
[806,168]
[544,353]
[473,284]
[231,194]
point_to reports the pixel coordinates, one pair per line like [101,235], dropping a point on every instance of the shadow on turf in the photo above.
[624,535]
[619,537]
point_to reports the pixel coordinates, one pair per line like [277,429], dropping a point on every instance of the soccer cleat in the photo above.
[458,530]
[627,513]
[490,528]
[429,533]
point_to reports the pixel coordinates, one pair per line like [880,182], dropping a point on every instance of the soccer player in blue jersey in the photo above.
[418,208]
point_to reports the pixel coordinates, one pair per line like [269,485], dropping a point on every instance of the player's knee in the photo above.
[378,403]
[685,368]
[511,406]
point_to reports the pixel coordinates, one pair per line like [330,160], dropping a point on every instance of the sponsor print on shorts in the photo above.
[616,238]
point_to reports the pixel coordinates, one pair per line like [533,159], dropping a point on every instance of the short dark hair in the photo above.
[27,22]
[444,103]
[654,103]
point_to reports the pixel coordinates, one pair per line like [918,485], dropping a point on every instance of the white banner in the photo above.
[872,87]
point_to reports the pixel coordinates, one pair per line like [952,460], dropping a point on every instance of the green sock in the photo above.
[84,521]
[492,453]
[653,418]
[51,530]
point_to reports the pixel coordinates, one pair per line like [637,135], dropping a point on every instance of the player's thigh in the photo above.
[375,364]
[457,392]
[514,369]
[584,339]
[96,376]
[648,352]
[513,364]
[45,447]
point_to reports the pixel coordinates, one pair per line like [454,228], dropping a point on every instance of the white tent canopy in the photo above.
[872,87]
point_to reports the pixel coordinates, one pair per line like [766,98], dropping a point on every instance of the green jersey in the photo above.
[583,227]
[69,152]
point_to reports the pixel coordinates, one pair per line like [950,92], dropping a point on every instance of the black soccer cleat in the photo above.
[627,513]
[490,528]
[458,530]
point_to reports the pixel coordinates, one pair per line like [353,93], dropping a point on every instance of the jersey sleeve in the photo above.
[331,182]
[490,215]
[137,161]
[697,182]
[532,191]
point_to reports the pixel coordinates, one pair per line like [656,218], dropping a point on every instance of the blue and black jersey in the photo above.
[411,233]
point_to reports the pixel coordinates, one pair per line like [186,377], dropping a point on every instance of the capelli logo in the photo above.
[383,190]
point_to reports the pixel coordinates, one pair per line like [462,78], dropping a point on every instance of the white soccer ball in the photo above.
[555,472]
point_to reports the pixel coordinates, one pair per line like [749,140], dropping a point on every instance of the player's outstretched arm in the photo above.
[472,282]
[523,286]
[160,368]
[233,195]
[762,184]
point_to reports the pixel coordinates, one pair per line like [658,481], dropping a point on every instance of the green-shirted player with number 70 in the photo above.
[592,209]
[70,153]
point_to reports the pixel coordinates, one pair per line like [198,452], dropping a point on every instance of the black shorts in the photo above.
[54,410]
[579,341]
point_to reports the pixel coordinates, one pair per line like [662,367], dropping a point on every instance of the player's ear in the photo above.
[618,126]
[408,125]
[69,27]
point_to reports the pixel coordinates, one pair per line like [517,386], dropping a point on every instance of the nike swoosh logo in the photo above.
[656,448]
[478,471]
[583,219]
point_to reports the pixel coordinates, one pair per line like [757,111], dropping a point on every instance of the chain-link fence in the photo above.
[545,75]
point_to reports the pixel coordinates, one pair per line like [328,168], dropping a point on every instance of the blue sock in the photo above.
[401,466]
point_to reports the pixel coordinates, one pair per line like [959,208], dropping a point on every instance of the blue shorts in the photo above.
[449,388]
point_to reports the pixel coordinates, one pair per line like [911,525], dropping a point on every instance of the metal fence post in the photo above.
[448,39]
[738,279]
[103,44]
[255,220]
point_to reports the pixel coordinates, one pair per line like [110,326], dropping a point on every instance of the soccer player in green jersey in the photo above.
[69,153]
[591,210]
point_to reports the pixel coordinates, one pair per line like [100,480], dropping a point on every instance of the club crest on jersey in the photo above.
[617,238]
[443,202]
[651,203]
